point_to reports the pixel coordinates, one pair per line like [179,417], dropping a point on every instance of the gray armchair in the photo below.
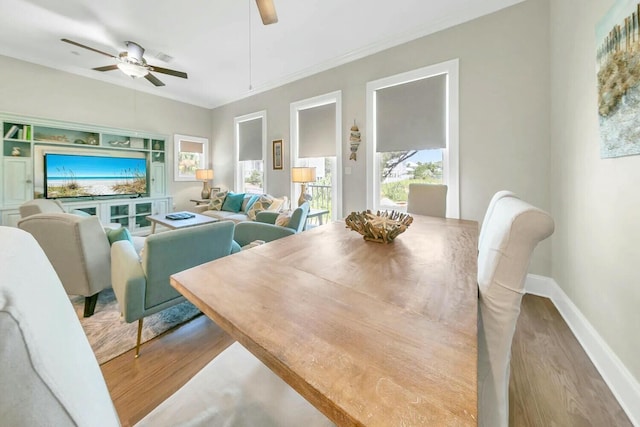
[78,249]
[37,206]
[265,229]
[141,284]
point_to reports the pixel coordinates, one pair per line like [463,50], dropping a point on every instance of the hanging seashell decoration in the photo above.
[354,141]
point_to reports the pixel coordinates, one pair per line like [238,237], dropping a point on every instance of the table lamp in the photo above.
[205,175]
[303,175]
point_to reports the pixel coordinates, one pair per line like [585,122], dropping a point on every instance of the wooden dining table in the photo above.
[371,334]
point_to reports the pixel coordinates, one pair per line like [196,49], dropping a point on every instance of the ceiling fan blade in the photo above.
[88,48]
[267,11]
[153,79]
[106,68]
[168,71]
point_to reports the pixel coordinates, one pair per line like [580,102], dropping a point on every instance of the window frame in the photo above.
[177,140]
[450,154]
[238,184]
[317,101]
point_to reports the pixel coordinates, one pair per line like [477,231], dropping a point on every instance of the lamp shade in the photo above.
[204,174]
[303,174]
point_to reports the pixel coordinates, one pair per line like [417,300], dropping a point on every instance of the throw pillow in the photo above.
[233,202]
[283,219]
[277,205]
[79,212]
[249,200]
[217,200]
[262,204]
[121,233]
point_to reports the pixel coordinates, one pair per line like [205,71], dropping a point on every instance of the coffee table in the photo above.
[179,223]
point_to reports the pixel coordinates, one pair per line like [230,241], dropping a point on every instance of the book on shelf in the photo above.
[27,132]
[11,132]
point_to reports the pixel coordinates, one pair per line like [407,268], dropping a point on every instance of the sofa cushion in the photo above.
[237,217]
[233,202]
[217,200]
[262,204]
[226,216]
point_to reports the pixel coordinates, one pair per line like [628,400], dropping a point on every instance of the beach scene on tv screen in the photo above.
[80,176]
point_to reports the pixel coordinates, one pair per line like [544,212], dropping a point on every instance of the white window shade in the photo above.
[250,140]
[317,131]
[191,147]
[412,116]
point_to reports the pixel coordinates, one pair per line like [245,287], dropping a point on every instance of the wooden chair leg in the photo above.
[139,337]
[90,305]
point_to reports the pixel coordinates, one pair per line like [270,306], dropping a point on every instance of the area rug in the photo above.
[110,336]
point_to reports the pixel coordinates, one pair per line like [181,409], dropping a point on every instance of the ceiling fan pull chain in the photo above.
[250,76]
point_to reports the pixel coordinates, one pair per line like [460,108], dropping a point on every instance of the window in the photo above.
[413,135]
[400,168]
[190,154]
[250,143]
[316,142]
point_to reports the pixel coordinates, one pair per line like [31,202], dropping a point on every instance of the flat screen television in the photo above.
[77,175]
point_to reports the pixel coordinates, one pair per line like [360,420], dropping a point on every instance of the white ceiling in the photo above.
[209,40]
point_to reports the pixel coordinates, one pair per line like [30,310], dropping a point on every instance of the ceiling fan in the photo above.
[132,63]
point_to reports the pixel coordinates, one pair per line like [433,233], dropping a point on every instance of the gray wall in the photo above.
[595,202]
[504,119]
[42,92]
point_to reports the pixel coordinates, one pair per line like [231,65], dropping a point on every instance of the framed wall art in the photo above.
[617,59]
[277,154]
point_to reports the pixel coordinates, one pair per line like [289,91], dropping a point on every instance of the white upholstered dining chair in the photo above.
[511,233]
[427,199]
[492,203]
[50,375]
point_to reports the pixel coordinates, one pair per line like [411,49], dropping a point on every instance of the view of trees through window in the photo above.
[398,169]
[252,176]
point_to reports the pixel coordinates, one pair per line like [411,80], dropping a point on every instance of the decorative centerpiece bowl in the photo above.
[381,227]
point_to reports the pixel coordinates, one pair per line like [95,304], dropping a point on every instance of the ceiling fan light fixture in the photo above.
[267,11]
[135,51]
[133,70]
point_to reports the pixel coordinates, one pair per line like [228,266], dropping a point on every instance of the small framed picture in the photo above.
[277,154]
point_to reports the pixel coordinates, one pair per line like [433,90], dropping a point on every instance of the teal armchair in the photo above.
[141,283]
[265,229]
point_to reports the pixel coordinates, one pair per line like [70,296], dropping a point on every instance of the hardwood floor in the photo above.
[165,364]
[553,382]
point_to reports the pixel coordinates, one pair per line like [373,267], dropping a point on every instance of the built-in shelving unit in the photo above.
[25,140]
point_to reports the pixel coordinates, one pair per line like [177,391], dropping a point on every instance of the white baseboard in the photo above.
[623,385]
